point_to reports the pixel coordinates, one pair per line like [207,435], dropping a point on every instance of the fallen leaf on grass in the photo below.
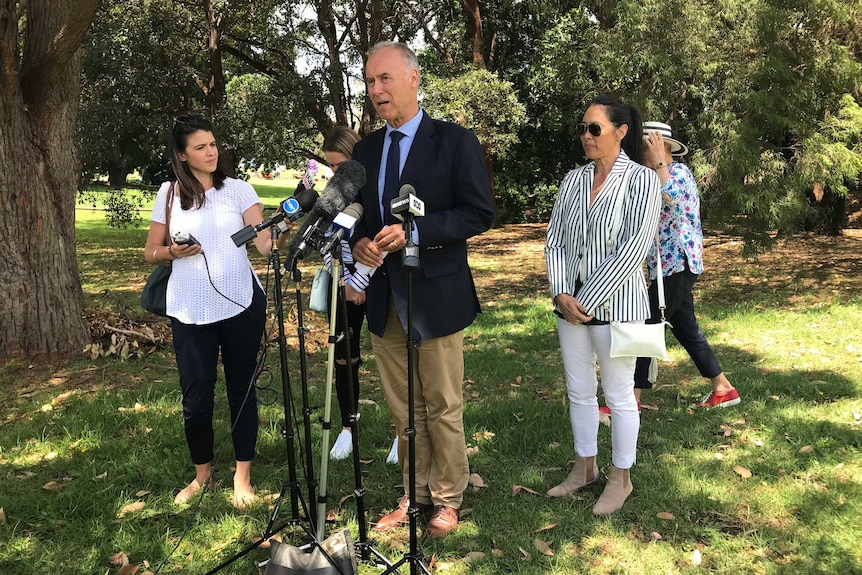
[2,516]
[471,451]
[498,553]
[366,461]
[665,515]
[806,449]
[119,559]
[267,543]
[518,488]
[650,407]
[546,527]
[543,547]
[101,475]
[696,557]
[52,486]
[128,570]
[137,408]
[743,472]
[481,436]
[656,535]
[473,556]
[131,508]
[141,493]
[524,554]
[369,402]
[476,481]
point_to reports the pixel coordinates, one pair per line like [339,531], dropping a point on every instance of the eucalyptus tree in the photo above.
[40,64]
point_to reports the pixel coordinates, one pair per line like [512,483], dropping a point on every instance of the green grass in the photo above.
[795,355]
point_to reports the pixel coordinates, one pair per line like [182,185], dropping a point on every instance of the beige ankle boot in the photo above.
[585,472]
[617,490]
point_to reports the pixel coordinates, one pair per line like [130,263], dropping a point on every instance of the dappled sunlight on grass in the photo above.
[792,351]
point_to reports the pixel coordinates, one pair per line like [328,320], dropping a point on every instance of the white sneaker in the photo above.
[393,453]
[343,445]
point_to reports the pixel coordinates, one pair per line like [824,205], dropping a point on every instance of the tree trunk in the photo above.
[41,301]
[473,19]
[117,173]
[216,91]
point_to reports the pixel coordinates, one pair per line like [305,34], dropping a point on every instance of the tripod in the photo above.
[409,264]
[292,484]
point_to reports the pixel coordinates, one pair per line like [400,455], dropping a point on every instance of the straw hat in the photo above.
[677,148]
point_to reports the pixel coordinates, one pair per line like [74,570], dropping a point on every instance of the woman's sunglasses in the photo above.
[594,129]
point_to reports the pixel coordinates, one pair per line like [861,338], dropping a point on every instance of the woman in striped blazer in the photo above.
[594,263]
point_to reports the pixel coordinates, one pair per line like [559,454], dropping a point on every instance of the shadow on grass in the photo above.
[794,432]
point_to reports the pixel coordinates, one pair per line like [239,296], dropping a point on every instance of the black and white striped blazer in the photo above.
[613,288]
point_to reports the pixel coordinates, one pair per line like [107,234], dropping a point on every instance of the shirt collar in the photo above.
[409,128]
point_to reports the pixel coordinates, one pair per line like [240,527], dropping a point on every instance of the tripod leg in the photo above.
[327,409]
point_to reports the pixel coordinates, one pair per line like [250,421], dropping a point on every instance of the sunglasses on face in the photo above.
[595,129]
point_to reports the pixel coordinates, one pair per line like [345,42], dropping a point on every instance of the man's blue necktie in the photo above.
[390,183]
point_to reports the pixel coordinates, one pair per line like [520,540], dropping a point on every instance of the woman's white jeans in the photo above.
[581,345]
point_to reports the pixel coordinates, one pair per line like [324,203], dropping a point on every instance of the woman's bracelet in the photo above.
[660,165]
[156,249]
[171,252]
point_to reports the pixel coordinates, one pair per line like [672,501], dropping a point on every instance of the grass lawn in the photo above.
[92,451]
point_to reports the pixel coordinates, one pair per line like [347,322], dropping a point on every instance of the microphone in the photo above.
[343,226]
[290,209]
[339,192]
[407,202]
[405,207]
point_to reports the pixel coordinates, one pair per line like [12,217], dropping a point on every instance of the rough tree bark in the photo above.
[473,22]
[41,301]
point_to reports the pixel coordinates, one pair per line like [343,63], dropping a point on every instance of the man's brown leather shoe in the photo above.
[399,516]
[443,522]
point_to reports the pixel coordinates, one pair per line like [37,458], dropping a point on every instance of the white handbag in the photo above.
[319,300]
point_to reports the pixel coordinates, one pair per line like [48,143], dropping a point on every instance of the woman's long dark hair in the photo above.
[192,193]
[620,113]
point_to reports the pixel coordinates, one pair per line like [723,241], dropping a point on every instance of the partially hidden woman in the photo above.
[337,149]
[214,299]
[594,279]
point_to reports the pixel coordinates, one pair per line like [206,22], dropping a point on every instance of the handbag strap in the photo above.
[659,278]
[169,204]
[616,222]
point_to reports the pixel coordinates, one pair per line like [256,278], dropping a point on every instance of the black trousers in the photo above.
[351,328]
[680,313]
[197,349]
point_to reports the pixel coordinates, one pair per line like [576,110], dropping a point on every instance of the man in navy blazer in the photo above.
[445,164]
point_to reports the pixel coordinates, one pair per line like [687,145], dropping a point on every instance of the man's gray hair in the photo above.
[405,51]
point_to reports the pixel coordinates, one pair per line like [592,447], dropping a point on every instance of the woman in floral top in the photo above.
[681,241]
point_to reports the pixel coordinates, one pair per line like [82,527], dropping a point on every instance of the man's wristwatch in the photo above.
[660,165]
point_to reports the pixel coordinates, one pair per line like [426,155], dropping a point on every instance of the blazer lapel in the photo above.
[420,150]
[371,175]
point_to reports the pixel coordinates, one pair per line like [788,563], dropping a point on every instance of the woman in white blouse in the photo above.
[594,279]
[214,299]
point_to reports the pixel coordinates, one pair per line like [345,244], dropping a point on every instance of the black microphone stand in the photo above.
[292,484]
[363,545]
[409,264]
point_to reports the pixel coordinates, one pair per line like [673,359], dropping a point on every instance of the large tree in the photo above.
[41,310]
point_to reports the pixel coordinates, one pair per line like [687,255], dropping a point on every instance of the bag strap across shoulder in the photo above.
[169,204]
[615,228]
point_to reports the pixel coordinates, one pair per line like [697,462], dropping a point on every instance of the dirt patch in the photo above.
[512,262]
